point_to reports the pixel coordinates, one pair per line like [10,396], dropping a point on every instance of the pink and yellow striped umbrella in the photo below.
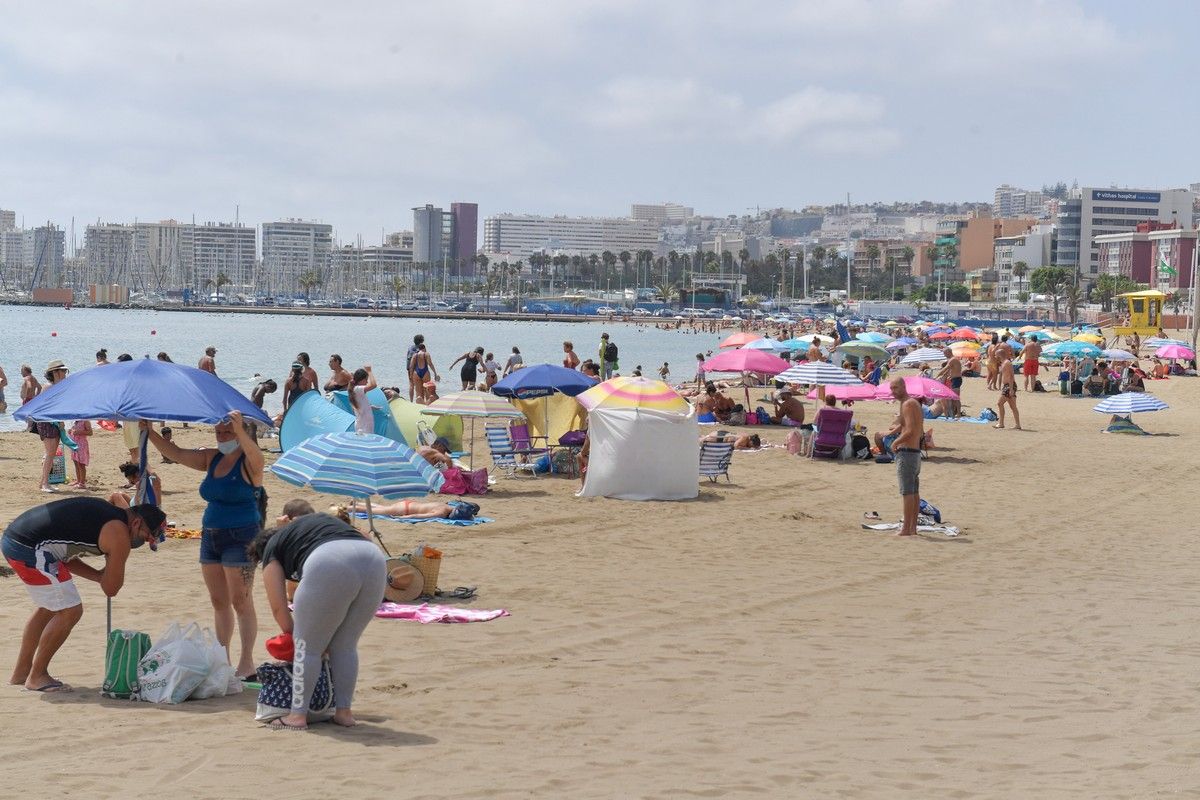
[630,392]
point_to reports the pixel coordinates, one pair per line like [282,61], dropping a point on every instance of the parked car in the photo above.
[640,312]
[538,308]
[603,310]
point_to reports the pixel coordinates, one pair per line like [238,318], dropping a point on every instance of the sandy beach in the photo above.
[754,642]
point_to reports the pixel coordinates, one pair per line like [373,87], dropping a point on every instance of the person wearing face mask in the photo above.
[43,546]
[233,487]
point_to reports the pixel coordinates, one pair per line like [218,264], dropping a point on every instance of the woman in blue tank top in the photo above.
[232,486]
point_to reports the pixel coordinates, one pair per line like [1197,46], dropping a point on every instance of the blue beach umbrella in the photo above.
[359,465]
[1071,348]
[874,337]
[542,380]
[767,343]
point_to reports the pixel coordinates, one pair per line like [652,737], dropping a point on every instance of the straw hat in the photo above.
[56,364]
[404,581]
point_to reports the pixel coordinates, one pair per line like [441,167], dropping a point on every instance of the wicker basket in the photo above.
[429,568]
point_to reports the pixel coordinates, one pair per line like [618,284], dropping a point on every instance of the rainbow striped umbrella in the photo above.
[631,392]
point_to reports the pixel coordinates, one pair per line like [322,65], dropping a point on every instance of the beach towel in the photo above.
[425,613]
[458,522]
[1125,426]
[944,530]
[183,533]
[974,420]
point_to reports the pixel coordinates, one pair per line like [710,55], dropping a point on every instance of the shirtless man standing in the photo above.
[30,388]
[814,351]
[951,375]
[1008,393]
[209,362]
[907,451]
[1031,367]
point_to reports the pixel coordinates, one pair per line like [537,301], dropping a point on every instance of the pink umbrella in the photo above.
[964,334]
[746,361]
[1175,351]
[919,386]
[861,391]
[739,339]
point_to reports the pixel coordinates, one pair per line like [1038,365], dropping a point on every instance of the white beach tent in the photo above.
[642,454]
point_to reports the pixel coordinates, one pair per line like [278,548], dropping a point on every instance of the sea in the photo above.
[263,344]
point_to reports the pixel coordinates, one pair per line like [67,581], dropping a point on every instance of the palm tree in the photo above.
[609,259]
[785,256]
[908,254]
[398,287]
[308,281]
[594,262]
[667,291]
[216,283]
[1019,270]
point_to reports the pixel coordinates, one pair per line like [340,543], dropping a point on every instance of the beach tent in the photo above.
[310,415]
[385,424]
[552,416]
[406,415]
[642,454]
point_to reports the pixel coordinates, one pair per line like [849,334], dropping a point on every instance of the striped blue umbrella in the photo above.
[1071,348]
[926,355]
[818,373]
[1160,341]
[767,343]
[358,465]
[1130,403]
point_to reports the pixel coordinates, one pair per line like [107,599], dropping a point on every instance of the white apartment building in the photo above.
[1033,248]
[223,248]
[1094,211]
[163,255]
[662,213]
[1009,201]
[43,256]
[290,248]
[108,253]
[8,220]
[370,271]
[12,257]
[520,235]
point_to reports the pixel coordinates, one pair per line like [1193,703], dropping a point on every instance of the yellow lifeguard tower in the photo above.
[1144,315]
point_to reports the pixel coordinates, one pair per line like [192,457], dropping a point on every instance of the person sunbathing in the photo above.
[1160,370]
[788,407]
[438,453]
[423,509]
[745,442]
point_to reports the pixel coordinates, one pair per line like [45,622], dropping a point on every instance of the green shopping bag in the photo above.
[125,649]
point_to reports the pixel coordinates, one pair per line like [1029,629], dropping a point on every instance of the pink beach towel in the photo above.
[425,613]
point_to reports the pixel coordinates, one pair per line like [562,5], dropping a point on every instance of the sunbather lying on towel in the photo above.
[749,442]
[424,509]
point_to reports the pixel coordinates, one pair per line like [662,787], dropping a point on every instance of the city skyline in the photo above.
[356,116]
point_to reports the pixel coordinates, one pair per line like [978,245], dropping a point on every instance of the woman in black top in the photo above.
[342,578]
[472,360]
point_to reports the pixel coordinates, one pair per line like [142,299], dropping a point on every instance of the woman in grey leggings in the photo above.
[342,577]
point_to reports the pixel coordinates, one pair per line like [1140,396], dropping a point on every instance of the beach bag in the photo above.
[737,418]
[1038,387]
[572,438]
[989,415]
[58,469]
[930,510]
[610,353]
[454,482]
[795,444]
[860,447]
[174,666]
[1076,386]
[121,656]
[542,465]
[221,678]
[275,697]
[763,417]
[564,462]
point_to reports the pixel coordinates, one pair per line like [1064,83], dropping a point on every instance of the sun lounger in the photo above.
[503,455]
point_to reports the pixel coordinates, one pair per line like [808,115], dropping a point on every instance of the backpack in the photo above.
[610,352]
[125,649]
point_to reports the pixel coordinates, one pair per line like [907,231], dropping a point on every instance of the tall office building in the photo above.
[223,248]
[8,220]
[108,253]
[291,248]
[465,218]
[519,235]
[1094,212]
[430,242]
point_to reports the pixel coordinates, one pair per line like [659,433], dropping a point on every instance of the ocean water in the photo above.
[267,344]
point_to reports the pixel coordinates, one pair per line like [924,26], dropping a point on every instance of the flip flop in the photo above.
[872,515]
[52,687]
[251,678]
[280,725]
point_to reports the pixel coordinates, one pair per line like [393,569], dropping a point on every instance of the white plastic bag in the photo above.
[175,665]
[221,679]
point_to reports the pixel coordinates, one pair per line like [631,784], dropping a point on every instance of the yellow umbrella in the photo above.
[1028,329]
[1090,338]
[891,323]
[631,392]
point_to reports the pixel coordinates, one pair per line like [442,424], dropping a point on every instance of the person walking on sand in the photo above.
[906,448]
[42,546]
[208,362]
[1031,367]
[951,376]
[1008,394]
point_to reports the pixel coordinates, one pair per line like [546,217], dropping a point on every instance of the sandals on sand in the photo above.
[52,687]
[280,725]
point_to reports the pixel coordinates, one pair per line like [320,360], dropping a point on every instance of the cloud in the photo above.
[683,110]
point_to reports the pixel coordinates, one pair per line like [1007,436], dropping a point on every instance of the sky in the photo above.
[354,112]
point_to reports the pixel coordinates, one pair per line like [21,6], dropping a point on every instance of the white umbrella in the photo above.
[926,355]
[1118,355]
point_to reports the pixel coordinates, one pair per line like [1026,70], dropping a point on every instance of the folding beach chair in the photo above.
[714,460]
[503,455]
[830,440]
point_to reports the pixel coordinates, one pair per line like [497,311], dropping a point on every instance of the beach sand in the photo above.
[754,642]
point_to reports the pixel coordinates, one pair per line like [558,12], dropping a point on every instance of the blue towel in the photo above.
[462,523]
[975,420]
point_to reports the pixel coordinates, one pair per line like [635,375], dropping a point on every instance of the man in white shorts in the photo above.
[39,545]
